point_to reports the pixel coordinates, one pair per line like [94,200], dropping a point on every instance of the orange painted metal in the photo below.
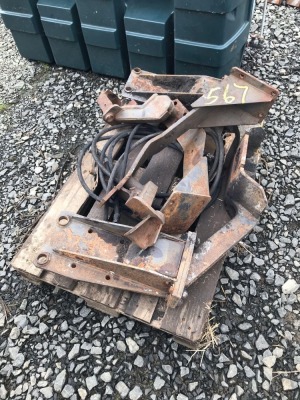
[144,258]
[248,199]
[292,3]
[223,105]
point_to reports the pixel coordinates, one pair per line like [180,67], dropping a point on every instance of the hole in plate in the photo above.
[107,277]
[73,265]
[42,258]
[63,220]
[90,230]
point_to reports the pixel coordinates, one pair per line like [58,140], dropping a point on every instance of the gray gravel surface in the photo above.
[52,346]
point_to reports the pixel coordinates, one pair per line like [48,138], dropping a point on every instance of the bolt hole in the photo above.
[128,89]
[242,76]
[107,277]
[63,220]
[175,103]
[42,258]
[73,265]
[184,114]
[137,70]
[90,230]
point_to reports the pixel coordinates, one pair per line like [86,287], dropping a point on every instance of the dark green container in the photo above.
[102,23]
[210,35]
[22,18]
[150,35]
[62,26]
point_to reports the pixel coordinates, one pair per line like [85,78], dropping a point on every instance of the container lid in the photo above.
[57,9]
[101,13]
[210,6]
[157,11]
[17,6]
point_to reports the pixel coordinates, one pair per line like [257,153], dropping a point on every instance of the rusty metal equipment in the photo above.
[293,3]
[171,150]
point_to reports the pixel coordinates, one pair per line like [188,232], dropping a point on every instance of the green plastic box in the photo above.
[210,35]
[102,23]
[62,27]
[22,18]
[150,35]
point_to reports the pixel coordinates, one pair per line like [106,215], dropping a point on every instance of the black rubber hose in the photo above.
[80,176]
[95,151]
[142,132]
[220,164]
[127,150]
[110,144]
[119,161]
[111,149]
[82,153]
[213,169]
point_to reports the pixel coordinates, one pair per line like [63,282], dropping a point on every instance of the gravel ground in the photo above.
[52,346]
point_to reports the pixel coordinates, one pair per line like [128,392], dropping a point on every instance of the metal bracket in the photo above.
[94,251]
[155,110]
[146,232]
[189,88]
[225,105]
[249,200]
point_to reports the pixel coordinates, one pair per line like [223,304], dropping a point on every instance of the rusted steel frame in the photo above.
[80,250]
[204,117]
[166,160]
[177,290]
[249,200]
[242,188]
[249,107]
[191,194]
[108,100]
[141,202]
[155,110]
[146,232]
[115,269]
[114,228]
[70,266]
[141,85]
[187,200]
[216,247]
[293,3]
[193,145]
[239,87]
[134,273]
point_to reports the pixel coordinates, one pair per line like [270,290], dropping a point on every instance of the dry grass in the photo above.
[208,339]
[244,247]
[285,372]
